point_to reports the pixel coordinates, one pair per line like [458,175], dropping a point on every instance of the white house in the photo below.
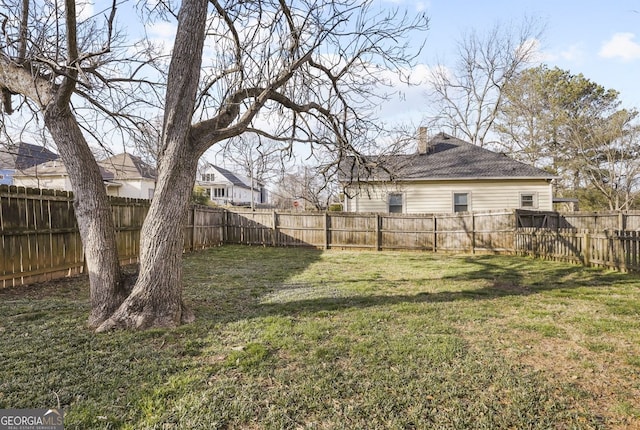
[50,175]
[124,175]
[132,177]
[227,188]
[445,175]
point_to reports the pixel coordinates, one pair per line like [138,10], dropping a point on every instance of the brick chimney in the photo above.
[423,141]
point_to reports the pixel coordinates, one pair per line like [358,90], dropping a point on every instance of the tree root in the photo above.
[101,314]
[135,317]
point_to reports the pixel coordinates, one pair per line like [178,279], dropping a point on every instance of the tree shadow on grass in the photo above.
[497,278]
[499,288]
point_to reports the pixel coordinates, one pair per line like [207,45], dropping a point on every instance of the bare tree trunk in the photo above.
[93,213]
[156,299]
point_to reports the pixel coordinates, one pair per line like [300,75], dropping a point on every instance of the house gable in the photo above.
[127,166]
[123,175]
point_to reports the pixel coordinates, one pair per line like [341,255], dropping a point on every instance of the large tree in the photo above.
[466,97]
[302,71]
[574,128]
[50,65]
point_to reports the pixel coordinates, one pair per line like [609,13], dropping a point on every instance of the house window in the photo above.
[218,192]
[528,200]
[208,177]
[395,203]
[460,202]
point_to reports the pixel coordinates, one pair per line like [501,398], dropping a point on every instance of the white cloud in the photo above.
[408,96]
[422,6]
[162,35]
[572,53]
[162,30]
[622,46]
[84,10]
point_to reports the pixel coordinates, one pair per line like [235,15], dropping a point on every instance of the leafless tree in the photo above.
[256,157]
[466,98]
[607,151]
[77,78]
[147,142]
[312,187]
[302,72]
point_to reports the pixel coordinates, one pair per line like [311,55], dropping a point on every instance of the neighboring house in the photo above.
[132,177]
[227,188]
[445,175]
[16,158]
[51,175]
[124,175]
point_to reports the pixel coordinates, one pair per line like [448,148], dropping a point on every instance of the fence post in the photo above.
[274,237]
[473,233]
[621,221]
[225,227]
[586,248]
[378,232]
[435,233]
[193,228]
[326,230]
[620,249]
[634,250]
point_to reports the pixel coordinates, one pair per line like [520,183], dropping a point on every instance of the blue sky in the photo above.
[600,39]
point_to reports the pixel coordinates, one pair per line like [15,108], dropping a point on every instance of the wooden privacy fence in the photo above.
[592,221]
[619,250]
[40,238]
[465,232]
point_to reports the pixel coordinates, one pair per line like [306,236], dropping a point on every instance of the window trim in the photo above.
[401,206]
[534,199]
[453,201]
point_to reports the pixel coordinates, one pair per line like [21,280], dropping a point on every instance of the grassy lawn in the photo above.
[293,338]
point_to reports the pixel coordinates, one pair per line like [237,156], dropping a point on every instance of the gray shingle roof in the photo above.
[231,177]
[127,166]
[447,158]
[24,155]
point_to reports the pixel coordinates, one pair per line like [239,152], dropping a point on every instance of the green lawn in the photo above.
[297,338]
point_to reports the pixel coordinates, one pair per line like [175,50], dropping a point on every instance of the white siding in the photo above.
[437,196]
[44,182]
[368,200]
[133,188]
